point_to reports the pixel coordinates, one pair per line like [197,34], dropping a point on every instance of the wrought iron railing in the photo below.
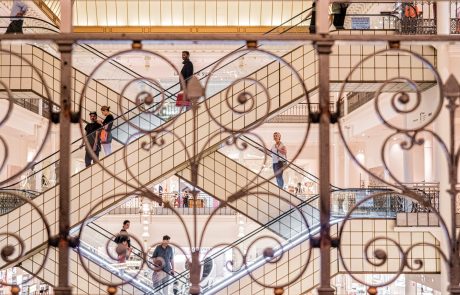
[190,141]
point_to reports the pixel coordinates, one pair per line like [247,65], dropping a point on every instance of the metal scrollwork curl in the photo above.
[230,265]
[4,117]
[245,101]
[144,101]
[143,253]
[8,252]
[401,103]
[380,256]
[271,254]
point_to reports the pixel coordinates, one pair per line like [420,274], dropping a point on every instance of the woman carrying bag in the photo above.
[106,132]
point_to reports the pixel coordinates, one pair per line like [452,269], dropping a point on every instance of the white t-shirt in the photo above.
[276,153]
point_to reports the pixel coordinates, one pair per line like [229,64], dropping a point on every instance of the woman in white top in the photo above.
[279,158]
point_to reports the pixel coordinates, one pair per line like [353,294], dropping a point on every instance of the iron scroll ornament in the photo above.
[397,100]
[5,116]
[163,135]
[403,104]
[167,134]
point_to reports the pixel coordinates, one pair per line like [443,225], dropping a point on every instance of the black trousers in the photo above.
[15,27]
[88,159]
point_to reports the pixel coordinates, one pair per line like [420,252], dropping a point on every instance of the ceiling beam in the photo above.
[185,29]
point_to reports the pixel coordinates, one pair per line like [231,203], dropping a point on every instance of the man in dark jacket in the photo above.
[187,69]
[163,262]
[92,130]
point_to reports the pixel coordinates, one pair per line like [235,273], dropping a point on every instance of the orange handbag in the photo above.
[104,136]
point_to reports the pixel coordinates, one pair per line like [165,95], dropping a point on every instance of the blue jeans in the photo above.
[278,170]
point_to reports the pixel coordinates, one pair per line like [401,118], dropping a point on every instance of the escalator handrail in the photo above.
[33,18]
[86,248]
[21,190]
[118,65]
[33,27]
[297,15]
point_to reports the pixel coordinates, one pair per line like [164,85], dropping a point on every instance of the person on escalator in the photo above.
[18,10]
[106,132]
[123,243]
[279,154]
[187,68]
[92,130]
[163,264]
[186,73]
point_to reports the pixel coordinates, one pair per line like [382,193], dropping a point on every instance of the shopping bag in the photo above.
[182,101]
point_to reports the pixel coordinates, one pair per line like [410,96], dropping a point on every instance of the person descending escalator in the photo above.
[106,131]
[92,130]
[123,242]
[279,152]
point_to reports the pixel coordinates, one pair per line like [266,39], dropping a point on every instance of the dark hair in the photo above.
[186,52]
[166,237]
[126,221]
[105,108]
[93,113]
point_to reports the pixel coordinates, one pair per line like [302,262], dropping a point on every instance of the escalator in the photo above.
[254,262]
[294,248]
[93,185]
[221,177]
[150,166]
[222,279]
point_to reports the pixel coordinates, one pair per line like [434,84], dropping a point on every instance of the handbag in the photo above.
[104,136]
[182,101]
[281,160]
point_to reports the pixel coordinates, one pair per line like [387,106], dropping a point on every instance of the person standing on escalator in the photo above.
[337,14]
[92,130]
[106,132]
[187,68]
[163,265]
[279,154]
[186,73]
[123,242]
